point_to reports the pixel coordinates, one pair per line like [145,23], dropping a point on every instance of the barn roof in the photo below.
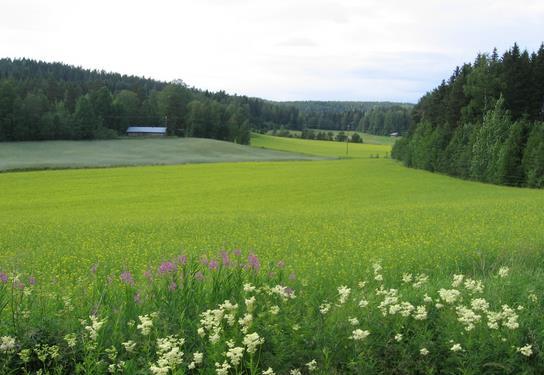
[146,129]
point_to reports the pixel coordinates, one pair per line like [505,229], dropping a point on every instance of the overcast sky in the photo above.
[274,49]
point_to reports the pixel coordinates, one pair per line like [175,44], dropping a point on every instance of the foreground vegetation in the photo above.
[130,151]
[140,254]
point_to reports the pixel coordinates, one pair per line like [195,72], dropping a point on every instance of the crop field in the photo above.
[367,138]
[129,151]
[348,267]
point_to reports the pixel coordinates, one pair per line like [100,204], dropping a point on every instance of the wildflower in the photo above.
[201,332]
[398,337]
[456,348]
[250,304]
[269,372]
[284,292]
[377,267]
[280,264]
[438,306]
[295,372]
[235,355]
[324,308]
[361,284]
[449,295]
[129,346]
[406,309]
[71,340]
[423,351]
[7,344]
[526,350]
[25,355]
[166,267]
[197,360]
[378,277]
[248,287]
[504,271]
[222,369]
[213,265]
[251,341]
[363,303]
[353,321]
[479,304]
[533,297]
[292,276]
[3,277]
[420,313]
[274,310]
[225,258]
[126,277]
[312,365]
[359,335]
[245,322]
[427,299]
[407,278]
[182,260]
[296,327]
[474,286]
[253,262]
[467,317]
[95,326]
[32,280]
[137,298]
[344,292]
[146,323]
[170,354]
[457,280]
[421,279]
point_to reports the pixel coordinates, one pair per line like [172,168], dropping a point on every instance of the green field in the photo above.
[126,152]
[367,138]
[329,220]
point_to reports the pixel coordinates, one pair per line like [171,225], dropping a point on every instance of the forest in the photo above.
[45,101]
[484,123]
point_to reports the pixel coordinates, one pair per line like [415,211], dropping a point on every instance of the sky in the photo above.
[274,49]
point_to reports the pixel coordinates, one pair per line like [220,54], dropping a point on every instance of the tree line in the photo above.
[485,123]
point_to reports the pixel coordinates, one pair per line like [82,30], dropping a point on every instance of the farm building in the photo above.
[394,134]
[139,131]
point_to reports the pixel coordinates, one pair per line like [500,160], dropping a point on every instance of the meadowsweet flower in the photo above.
[245,322]
[312,365]
[249,288]
[359,335]
[406,309]
[7,344]
[526,350]
[474,286]
[456,348]
[533,297]
[504,271]
[378,277]
[343,292]
[296,327]
[251,341]
[353,321]
[198,357]
[438,306]
[235,355]
[479,304]
[274,310]
[201,332]
[250,304]
[324,308]
[129,346]
[269,372]
[295,371]
[467,317]
[363,303]
[427,299]
[407,277]
[25,355]
[169,353]
[398,337]
[449,295]
[146,323]
[361,284]
[71,340]
[94,327]
[457,280]
[420,313]
[421,279]
[423,351]
[222,369]
[284,292]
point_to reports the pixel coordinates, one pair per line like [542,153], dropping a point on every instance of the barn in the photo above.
[149,131]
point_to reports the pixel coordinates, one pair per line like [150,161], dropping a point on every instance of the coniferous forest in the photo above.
[484,123]
[44,101]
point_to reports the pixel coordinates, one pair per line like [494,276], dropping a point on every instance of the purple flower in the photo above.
[199,276]
[204,261]
[3,277]
[167,267]
[138,298]
[173,286]
[237,252]
[182,259]
[254,262]
[32,280]
[289,291]
[94,267]
[148,275]
[126,277]
[213,265]
[225,258]
[281,264]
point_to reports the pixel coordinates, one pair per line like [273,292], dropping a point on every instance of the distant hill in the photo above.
[341,106]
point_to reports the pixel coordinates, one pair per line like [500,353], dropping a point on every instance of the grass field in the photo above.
[367,138]
[328,220]
[125,152]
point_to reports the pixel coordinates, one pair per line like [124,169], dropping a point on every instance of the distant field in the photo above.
[323,148]
[126,152]
[367,138]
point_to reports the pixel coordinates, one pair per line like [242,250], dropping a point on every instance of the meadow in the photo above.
[351,262]
[129,151]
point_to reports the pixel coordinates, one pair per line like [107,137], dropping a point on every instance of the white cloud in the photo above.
[277,49]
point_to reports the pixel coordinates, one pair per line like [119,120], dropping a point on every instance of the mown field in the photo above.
[367,138]
[129,151]
[329,223]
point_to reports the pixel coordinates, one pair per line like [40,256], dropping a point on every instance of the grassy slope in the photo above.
[323,148]
[139,151]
